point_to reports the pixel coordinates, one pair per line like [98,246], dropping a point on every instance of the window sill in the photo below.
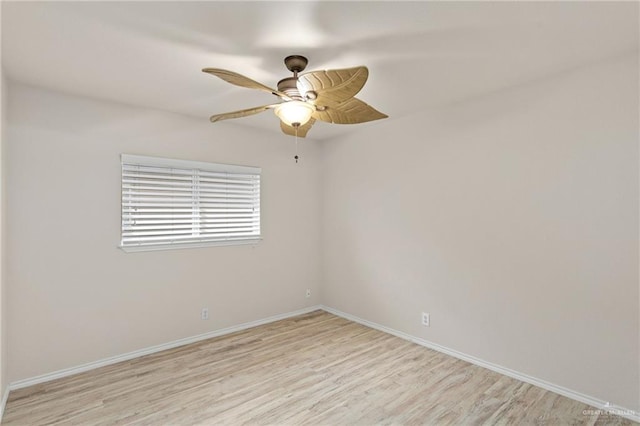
[177,246]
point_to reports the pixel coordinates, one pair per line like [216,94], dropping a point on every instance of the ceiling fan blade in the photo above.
[302,130]
[352,111]
[242,81]
[333,86]
[241,113]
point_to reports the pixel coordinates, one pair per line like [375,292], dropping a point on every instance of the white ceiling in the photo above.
[420,55]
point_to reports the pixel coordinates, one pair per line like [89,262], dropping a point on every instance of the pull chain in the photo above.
[296,157]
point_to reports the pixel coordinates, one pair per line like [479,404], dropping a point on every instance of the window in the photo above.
[170,203]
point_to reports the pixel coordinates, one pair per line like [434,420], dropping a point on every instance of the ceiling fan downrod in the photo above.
[289,85]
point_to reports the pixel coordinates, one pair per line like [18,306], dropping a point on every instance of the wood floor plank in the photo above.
[314,369]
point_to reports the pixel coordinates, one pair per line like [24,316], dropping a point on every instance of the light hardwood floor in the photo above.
[314,369]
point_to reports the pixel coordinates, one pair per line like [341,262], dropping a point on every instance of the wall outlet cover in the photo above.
[425,319]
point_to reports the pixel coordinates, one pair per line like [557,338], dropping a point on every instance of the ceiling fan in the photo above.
[317,95]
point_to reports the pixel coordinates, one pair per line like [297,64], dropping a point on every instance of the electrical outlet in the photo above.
[308,294]
[425,319]
[204,314]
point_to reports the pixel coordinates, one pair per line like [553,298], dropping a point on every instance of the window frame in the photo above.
[195,167]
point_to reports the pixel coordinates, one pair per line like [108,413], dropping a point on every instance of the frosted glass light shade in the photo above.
[293,112]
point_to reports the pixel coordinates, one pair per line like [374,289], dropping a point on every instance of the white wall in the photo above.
[3,299]
[3,323]
[512,219]
[75,297]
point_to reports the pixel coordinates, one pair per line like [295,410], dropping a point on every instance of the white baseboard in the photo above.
[141,352]
[586,399]
[5,397]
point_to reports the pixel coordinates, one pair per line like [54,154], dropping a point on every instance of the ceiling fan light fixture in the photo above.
[294,112]
[324,95]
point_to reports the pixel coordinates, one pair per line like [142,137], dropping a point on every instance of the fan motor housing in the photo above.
[289,86]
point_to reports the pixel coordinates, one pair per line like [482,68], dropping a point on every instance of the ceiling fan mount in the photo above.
[296,63]
[327,95]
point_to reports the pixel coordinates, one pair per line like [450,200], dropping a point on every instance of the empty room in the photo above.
[319,213]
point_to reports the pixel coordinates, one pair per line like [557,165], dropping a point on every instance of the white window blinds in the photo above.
[170,203]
